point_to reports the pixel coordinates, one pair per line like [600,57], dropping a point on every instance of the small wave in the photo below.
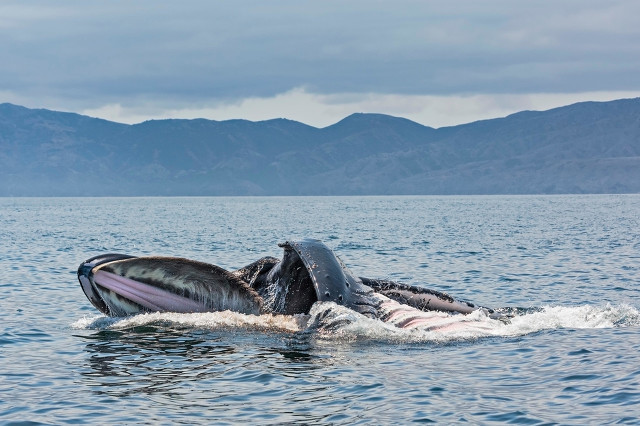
[330,321]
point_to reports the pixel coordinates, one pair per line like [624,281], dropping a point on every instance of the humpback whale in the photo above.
[309,272]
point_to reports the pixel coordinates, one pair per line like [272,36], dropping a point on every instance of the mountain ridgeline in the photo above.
[589,147]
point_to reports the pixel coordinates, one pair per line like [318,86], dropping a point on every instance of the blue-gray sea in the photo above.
[574,361]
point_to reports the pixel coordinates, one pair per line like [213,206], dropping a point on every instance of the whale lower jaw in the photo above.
[123,286]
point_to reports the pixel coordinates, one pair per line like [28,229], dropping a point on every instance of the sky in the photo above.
[439,63]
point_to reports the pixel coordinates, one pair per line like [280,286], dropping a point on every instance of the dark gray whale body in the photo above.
[309,272]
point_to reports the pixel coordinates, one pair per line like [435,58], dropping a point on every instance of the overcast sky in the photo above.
[435,62]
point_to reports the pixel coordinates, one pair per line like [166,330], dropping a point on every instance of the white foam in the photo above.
[207,320]
[331,321]
[339,322]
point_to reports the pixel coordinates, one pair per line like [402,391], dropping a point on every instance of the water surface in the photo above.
[575,361]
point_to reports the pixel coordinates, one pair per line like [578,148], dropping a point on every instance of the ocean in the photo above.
[571,263]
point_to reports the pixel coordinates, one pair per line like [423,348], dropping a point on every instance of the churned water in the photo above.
[571,356]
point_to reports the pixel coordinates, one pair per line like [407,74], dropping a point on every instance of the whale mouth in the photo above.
[116,295]
[122,285]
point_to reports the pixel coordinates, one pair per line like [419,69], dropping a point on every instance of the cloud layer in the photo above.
[149,58]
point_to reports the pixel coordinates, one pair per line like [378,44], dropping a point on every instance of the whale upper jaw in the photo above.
[332,281]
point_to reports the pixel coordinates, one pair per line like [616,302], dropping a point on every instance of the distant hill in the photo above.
[589,147]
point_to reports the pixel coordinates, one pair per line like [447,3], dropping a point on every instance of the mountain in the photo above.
[589,147]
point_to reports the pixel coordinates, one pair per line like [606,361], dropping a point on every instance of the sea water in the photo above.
[571,355]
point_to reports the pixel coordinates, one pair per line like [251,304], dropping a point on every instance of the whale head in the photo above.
[121,285]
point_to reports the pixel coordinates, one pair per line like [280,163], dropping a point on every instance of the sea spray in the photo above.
[331,321]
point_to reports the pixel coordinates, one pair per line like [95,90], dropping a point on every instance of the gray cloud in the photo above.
[91,53]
